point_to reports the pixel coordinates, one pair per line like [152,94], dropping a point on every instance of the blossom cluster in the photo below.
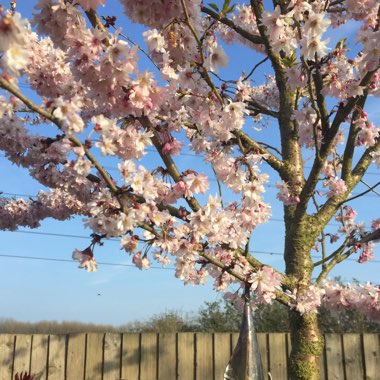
[92,86]
[363,297]
[13,42]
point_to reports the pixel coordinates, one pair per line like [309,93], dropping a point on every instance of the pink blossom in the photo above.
[312,45]
[142,262]
[336,185]
[173,147]
[85,261]
[197,183]
[309,301]
[285,196]
[367,253]
[265,282]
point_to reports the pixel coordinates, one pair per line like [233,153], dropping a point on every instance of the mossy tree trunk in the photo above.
[307,342]
[307,347]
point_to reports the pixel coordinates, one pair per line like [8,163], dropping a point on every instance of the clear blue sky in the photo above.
[34,289]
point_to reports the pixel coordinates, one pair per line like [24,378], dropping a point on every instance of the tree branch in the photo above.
[335,253]
[268,157]
[254,68]
[49,116]
[351,140]
[166,158]
[360,195]
[259,109]
[224,20]
[327,143]
[204,73]
[337,257]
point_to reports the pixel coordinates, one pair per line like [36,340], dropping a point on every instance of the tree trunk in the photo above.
[307,343]
[307,347]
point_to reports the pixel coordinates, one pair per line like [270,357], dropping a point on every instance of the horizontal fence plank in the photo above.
[181,356]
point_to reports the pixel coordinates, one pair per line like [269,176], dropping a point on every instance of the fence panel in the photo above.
[186,357]
[94,356]
[76,348]
[222,353]
[182,356]
[167,354]
[6,356]
[148,365]
[22,353]
[278,356]
[334,357]
[130,359]
[371,345]
[39,356]
[57,357]
[111,364]
[204,356]
[353,359]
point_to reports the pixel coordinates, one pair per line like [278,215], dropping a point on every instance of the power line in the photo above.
[53,259]
[73,261]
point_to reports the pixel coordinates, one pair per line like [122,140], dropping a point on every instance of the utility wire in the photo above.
[73,261]
[23,257]
[117,240]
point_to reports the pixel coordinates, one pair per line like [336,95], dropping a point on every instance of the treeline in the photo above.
[212,317]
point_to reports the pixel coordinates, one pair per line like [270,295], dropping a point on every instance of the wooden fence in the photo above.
[182,356]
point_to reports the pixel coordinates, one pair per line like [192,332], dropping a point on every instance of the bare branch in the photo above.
[332,255]
[255,67]
[361,194]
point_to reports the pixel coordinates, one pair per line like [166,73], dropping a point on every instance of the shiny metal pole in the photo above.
[245,362]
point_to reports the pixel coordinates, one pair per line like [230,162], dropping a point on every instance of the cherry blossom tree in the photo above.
[99,100]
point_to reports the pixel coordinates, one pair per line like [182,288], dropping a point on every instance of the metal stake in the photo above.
[245,362]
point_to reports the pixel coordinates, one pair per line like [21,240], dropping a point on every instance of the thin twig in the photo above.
[255,67]
[204,73]
[370,188]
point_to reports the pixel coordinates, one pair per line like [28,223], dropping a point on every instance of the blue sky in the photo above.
[35,289]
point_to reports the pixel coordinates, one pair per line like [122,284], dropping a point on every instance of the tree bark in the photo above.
[307,347]
[307,342]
